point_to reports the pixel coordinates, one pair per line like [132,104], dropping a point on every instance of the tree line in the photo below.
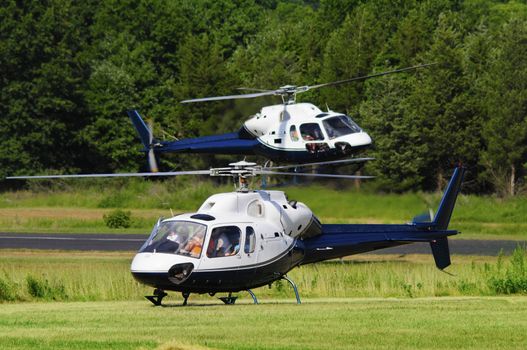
[69,70]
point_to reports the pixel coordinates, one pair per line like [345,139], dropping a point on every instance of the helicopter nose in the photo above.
[360,139]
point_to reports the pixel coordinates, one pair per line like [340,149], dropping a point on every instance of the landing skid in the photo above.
[158,296]
[230,300]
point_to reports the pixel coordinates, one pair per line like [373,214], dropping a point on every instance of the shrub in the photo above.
[43,289]
[514,279]
[7,290]
[118,219]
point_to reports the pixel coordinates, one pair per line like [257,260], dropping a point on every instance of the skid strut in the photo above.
[158,296]
[294,288]
[253,296]
[185,296]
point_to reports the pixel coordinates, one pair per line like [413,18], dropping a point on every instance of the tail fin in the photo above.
[444,212]
[439,246]
[140,126]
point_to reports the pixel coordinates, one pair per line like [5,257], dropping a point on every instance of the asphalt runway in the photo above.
[132,242]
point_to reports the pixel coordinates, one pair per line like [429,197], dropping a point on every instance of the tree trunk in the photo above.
[513,180]
[440,180]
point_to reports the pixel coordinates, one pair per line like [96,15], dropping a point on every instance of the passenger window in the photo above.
[250,240]
[293,133]
[224,241]
[311,132]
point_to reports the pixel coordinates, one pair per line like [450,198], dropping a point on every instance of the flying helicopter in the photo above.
[245,239]
[287,132]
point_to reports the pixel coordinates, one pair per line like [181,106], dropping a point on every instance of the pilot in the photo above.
[171,243]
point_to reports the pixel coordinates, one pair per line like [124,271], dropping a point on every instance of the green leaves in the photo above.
[69,71]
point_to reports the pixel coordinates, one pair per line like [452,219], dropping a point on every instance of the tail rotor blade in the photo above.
[152,163]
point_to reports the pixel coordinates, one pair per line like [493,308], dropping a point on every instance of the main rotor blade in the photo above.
[167,173]
[369,76]
[231,97]
[253,89]
[266,172]
[342,161]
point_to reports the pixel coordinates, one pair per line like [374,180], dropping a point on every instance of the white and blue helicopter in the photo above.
[287,132]
[245,239]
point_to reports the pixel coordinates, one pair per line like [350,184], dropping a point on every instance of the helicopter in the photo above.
[241,240]
[287,132]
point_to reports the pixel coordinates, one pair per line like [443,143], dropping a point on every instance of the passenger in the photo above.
[223,246]
[195,244]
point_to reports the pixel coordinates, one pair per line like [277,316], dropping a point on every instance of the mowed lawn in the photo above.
[435,323]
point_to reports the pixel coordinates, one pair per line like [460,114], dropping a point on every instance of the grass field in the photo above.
[89,300]
[73,207]
[105,276]
[429,323]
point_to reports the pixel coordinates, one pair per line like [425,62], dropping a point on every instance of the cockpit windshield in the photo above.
[339,126]
[177,237]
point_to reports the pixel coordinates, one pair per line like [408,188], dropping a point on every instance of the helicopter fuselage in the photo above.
[244,240]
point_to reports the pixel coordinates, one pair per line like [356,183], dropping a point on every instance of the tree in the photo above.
[400,152]
[505,95]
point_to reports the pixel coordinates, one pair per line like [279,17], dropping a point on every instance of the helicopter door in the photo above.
[223,255]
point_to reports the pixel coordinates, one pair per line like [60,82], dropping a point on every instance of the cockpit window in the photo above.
[339,126]
[311,131]
[224,241]
[177,237]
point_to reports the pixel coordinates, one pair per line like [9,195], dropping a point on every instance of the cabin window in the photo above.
[311,132]
[224,241]
[250,240]
[293,133]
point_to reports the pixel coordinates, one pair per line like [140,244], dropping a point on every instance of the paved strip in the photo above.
[460,247]
[132,242]
[79,241]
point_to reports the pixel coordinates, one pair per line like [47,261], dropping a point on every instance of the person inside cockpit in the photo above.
[171,243]
[194,244]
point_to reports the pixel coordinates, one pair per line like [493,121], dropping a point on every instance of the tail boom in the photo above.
[337,241]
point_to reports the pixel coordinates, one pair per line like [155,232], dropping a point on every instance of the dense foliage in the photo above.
[69,70]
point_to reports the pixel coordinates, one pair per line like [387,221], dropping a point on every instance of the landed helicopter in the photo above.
[287,132]
[246,239]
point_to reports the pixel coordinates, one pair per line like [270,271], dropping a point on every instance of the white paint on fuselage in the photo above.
[275,222]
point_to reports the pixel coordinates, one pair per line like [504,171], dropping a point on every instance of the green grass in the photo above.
[96,276]
[80,206]
[430,323]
